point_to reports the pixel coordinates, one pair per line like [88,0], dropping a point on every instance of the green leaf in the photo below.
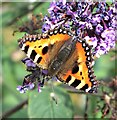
[41,105]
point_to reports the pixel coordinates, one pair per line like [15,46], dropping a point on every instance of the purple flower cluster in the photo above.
[33,78]
[93,21]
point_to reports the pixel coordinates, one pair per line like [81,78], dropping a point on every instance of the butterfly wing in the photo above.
[43,48]
[77,71]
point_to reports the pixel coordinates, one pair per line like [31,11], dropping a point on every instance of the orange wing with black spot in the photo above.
[43,48]
[77,71]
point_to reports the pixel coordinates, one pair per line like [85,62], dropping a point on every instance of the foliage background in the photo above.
[41,105]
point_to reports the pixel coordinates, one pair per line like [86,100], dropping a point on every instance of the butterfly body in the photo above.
[64,56]
[57,64]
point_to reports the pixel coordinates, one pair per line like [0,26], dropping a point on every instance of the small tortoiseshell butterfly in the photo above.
[64,56]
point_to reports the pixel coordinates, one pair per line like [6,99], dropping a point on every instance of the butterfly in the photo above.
[63,55]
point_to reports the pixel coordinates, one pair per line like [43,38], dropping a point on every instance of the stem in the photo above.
[24,13]
[80,92]
[86,107]
[15,109]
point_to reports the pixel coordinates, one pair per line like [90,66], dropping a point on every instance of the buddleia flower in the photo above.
[93,21]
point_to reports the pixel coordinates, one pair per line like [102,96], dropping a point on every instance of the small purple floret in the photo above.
[23,89]
[39,87]
[28,62]
[45,72]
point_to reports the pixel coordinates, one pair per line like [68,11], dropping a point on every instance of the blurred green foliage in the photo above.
[13,72]
[45,107]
